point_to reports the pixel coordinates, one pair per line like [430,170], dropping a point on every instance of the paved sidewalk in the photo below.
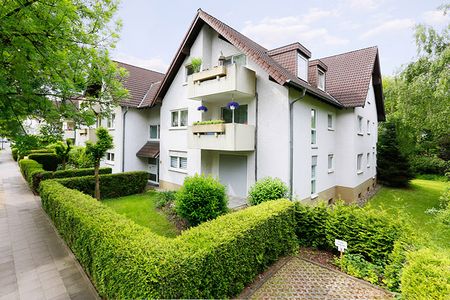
[301,279]
[34,262]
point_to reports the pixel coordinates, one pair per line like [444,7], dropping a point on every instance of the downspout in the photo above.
[124,114]
[256,136]
[291,142]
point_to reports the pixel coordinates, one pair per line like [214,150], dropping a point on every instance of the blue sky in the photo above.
[153,30]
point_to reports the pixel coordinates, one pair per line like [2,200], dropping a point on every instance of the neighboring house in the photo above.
[311,123]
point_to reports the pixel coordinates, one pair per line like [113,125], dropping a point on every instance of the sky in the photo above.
[153,30]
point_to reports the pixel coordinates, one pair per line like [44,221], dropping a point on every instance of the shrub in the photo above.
[127,261]
[49,161]
[429,165]
[165,197]
[14,153]
[426,275]
[79,159]
[29,168]
[201,198]
[444,199]
[355,265]
[267,189]
[112,185]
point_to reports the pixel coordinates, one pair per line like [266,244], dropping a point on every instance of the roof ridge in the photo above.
[146,93]
[285,46]
[146,69]
[356,50]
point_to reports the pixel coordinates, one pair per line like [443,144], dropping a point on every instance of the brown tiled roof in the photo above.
[348,75]
[150,150]
[291,47]
[254,51]
[138,83]
[151,93]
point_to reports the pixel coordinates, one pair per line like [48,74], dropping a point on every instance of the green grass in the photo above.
[414,201]
[141,208]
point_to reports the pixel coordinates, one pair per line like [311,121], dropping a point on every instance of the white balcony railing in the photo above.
[225,137]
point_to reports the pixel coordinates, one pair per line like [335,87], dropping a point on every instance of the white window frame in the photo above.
[359,162]
[320,80]
[368,159]
[368,127]
[186,72]
[332,122]
[110,158]
[330,163]
[178,111]
[158,131]
[111,121]
[300,74]
[313,127]
[178,156]
[359,124]
[314,162]
[233,57]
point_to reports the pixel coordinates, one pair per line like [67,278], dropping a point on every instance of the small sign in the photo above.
[342,245]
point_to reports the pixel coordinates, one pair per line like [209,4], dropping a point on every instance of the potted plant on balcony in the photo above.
[196,64]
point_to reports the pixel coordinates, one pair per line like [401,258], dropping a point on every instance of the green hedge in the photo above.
[426,275]
[127,261]
[30,168]
[429,165]
[111,185]
[49,161]
[14,153]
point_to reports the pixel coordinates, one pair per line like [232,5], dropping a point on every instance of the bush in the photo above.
[79,159]
[111,185]
[127,261]
[49,161]
[165,197]
[355,265]
[14,153]
[201,198]
[429,165]
[267,189]
[30,168]
[426,275]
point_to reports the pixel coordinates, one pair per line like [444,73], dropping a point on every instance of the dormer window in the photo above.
[302,67]
[321,80]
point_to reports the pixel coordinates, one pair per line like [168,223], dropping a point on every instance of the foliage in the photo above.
[112,185]
[392,166]
[201,198]
[127,261]
[29,168]
[426,275]
[97,151]
[429,165]
[79,159]
[355,265]
[444,199]
[49,161]
[433,177]
[141,208]
[267,189]
[444,205]
[209,122]
[196,64]
[62,150]
[14,153]
[165,197]
[24,143]
[56,50]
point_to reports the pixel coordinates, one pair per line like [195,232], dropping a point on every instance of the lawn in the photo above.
[141,208]
[415,200]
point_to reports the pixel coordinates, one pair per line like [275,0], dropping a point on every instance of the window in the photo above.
[111,121]
[359,163]
[368,159]
[188,70]
[302,67]
[239,59]
[313,127]
[368,127]
[321,80]
[360,130]
[240,114]
[330,121]
[178,161]
[330,163]
[313,174]
[179,118]
[374,159]
[154,132]
[109,156]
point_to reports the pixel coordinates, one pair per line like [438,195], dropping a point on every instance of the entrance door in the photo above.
[233,174]
[153,168]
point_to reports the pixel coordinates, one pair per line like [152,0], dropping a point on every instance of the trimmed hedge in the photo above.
[30,168]
[429,165]
[127,261]
[111,185]
[49,161]
[14,153]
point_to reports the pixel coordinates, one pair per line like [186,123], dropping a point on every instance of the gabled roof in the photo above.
[254,51]
[149,150]
[138,83]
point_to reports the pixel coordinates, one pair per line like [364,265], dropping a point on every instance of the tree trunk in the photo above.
[97,181]
[64,164]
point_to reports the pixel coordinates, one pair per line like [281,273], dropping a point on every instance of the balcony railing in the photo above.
[225,137]
[222,81]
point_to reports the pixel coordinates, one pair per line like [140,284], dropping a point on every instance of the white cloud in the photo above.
[156,64]
[389,27]
[363,4]
[435,17]
[271,32]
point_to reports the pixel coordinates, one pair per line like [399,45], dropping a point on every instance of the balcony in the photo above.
[220,82]
[225,137]
[88,134]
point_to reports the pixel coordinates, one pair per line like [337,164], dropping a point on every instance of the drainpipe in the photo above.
[124,114]
[291,142]
[256,136]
